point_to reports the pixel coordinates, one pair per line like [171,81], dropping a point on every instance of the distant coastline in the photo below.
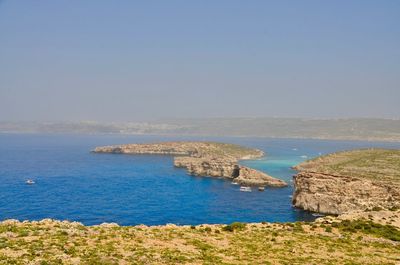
[363,129]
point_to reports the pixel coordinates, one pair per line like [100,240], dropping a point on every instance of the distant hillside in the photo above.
[366,129]
[351,129]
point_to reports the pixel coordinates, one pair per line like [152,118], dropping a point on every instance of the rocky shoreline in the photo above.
[360,234]
[205,159]
[344,182]
[330,194]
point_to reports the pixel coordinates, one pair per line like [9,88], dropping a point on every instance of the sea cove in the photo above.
[74,184]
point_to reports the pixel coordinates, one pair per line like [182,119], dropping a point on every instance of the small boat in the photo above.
[303,156]
[261,188]
[245,189]
[30,182]
[317,215]
[235,183]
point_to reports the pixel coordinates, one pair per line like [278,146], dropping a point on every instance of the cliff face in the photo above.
[212,167]
[254,177]
[330,194]
[205,159]
[347,181]
[228,169]
[192,149]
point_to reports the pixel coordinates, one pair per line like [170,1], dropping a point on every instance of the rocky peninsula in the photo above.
[344,182]
[205,159]
[355,237]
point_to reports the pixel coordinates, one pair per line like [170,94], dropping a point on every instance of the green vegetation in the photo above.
[386,231]
[375,164]
[234,226]
[216,149]
[334,242]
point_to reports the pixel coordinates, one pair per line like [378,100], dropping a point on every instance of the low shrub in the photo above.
[234,226]
[386,231]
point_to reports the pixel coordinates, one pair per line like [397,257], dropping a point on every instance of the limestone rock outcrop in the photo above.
[209,166]
[205,159]
[252,177]
[228,169]
[348,181]
[330,194]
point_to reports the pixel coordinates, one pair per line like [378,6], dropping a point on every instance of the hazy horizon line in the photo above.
[156,120]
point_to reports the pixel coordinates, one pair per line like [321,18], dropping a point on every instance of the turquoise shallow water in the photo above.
[74,184]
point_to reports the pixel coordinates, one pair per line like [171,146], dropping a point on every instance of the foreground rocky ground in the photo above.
[357,238]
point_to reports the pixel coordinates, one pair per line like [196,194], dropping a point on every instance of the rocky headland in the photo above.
[205,159]
[344,182]
[332,183]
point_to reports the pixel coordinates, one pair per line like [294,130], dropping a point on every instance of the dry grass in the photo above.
[196,149]
[324,242]
[375,164]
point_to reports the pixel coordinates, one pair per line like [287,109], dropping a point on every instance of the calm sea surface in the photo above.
[74,184]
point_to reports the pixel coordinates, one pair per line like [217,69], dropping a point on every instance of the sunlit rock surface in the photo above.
[205,159]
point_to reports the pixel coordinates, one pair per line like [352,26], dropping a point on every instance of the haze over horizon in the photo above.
[138,61]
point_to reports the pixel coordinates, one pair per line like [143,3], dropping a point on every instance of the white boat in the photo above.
[235,183]
[261,188]
[245,189]
[30,182]
[318,215]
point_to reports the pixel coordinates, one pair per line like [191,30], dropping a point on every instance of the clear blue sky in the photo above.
[138,60]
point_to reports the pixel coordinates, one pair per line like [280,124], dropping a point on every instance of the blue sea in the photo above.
[71,183]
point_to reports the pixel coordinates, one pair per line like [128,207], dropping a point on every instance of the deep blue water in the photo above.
[74,184]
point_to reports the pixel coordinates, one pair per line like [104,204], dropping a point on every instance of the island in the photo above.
[361,186]
[348,181]
[205,159]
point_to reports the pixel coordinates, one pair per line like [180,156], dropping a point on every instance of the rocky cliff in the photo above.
[215,167]
[332,194]
[364,180]
[205,159]
[208,166]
